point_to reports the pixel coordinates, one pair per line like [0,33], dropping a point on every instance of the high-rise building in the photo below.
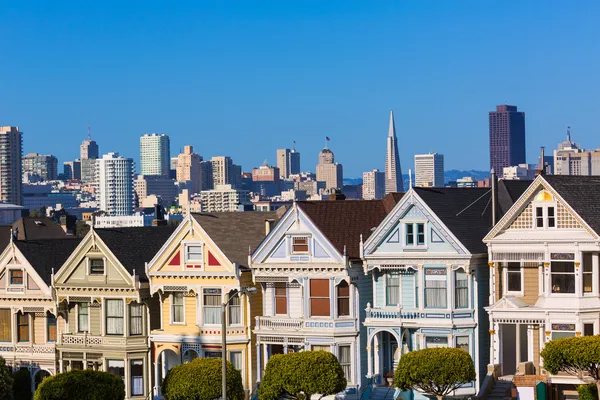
[570,159]
[72,169]
[373,185]
[88,170]
[225,172]
[294,162]
[223,198]
[155,154]
[88,148]
[44,166]
[507,138]
[11,145]
[393,170]
[429,170]
[158,185]
[189,169]
[288,162]
[265,173]
[114,180]
[329,171]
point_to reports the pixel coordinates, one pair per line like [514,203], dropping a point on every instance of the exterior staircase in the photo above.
[502,389]
[382,393]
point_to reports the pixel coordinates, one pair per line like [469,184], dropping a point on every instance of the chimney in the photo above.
[542,164]
[336,194]
[494,183]
[268,226]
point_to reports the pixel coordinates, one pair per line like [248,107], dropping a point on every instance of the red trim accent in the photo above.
[212,261]
[176,260]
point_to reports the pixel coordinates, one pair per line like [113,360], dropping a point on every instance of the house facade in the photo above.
[202,266]
[428,269]
[102,305]
[310,274]
[544,280]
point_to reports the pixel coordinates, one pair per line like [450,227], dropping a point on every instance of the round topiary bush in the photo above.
[200,379]
[85,384]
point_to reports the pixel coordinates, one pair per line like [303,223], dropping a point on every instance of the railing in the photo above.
[90,340]
[396,314]
[23,348]
[273,323]
[375,313]
[279,323]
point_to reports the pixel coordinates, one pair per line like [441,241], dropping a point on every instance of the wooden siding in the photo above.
[530,284]
[295,302]
[95,320]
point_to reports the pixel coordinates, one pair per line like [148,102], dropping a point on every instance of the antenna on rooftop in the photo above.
[568,133]
[89,137]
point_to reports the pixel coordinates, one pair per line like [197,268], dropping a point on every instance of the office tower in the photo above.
[265,180]
[42,166]
[223,198]
[72,169]
[11,145]
[373,185]
[158,185]
[288,162]
[189,169]
[429,170]
[225,172]
[155,154]
[507,138]
[294,162]
[88,170]
[571,159]
[88,148]
[235,177]
[393,170]
[311,187]
[114,182]
[329,171]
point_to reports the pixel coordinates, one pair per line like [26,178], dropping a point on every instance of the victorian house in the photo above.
[544,263]
[28,323]
[428,269]
[314,289]
[203,265]
[102,305]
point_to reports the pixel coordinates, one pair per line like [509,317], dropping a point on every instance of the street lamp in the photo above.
[247,290]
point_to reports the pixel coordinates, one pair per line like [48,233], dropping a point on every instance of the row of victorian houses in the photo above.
[368,281]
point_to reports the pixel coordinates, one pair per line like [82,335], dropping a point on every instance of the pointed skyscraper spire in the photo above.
[393,171]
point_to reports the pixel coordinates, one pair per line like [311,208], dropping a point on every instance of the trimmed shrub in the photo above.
[436,371]
[6,381]
[200,379]
[81,384]
[587,392]
[300,375]
[22,384]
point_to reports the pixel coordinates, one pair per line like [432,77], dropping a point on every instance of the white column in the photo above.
[266,354]
[15,338]
[102,316]
[530,349]
[492,283]
[540,279]
[578,274]
[542,340]
[449,286]
[421,277]
[126,318]
[547,279]
[377,354]
[156,380]
[518,344]
[332,298]
[369,361]
[127,376]
[497,340]
[595,263]
[258,363]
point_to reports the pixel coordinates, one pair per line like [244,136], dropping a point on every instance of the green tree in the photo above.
[6,381]
[587,392]
[22,384]
[81,384]
[579,356]
[200,379]
[436,371]
[301,375]
[81,229]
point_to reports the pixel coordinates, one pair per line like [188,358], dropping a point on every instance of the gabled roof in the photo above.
[509,192]
[343,221]
[237,232]
[36,228]
[47,254]
[134,247]
[4,236]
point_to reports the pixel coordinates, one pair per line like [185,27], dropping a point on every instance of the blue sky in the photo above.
[242,78]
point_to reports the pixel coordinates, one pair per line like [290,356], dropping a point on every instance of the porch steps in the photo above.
[501,390]
[382,393]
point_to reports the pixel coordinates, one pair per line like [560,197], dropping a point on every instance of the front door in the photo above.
[508,338]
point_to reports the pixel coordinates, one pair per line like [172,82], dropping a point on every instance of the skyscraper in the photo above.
[189,169]
[294,162]
[373,185]
[507,138]
[429,170]
[288,162]
[114,179]
[42,166]
[72,169]
[155,154]
[393,170]
[329,171]
[88,148]
[11,145]
[225,172]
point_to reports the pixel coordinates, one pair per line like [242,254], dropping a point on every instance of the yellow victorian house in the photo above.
[203,265]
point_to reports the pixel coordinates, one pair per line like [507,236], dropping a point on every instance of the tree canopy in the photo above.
[436,371]
[300,375]
[200,379]
[81,384]
[6,381]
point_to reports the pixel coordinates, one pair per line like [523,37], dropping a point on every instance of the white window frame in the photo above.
[220,305]
[186,248]
[349,379]
[9,277]
[77,305]
[171,309]
[287,302]
[544,206]
[577,280]
[89,266]
[505,290]
[229,306]
[131,361]
[415,234]
[468,341]
[292,251]
[462,270]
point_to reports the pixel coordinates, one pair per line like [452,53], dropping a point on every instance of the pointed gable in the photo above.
[48,255]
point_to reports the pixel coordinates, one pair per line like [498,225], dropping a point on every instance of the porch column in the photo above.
[164,364]
[156,380]
[258,363]
[595,263]
[266,354]
[530,349]
[376,346]
[492,298]
[547,281]
[369,361]
[518,342]
[450,286]
[495,342]
[542,341]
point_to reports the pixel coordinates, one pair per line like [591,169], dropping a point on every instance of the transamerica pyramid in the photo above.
[393,171]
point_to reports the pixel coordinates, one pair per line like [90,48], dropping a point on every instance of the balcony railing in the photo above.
[399,315]
[28,349]
[68,339]
[307,324]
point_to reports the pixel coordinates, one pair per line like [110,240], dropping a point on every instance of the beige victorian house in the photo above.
[102,295]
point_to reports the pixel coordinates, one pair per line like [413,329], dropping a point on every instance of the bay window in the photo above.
[114,317]
[235,311]
[343,299]
[562,277]
[137,377]
[212,306]
[513,277]
[435,288]
[319,298]
[392,288]
[5,325]
[82,317]
[461,288]
[344,359]
[177,308]
[135,319]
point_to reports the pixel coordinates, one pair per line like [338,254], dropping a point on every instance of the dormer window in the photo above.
[415,234]
[545,211]
[300,244]
[193,252]
[16,277]
[96,266]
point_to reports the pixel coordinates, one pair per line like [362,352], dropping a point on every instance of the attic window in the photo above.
[16,277]
[194,252]
[96,267]
[300,244]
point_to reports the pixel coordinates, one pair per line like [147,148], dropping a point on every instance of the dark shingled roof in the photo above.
[236,232]
[47,254]
[509,191]
[581,193]
[343,221]
[36,228]
[134,247]
[4,237]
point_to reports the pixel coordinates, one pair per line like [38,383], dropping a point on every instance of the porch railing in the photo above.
[92,340]
[270,323]
[23,348]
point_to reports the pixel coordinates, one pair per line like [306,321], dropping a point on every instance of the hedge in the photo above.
[81,384]
[200,379]
[300,375]
[587,392]
[22,384]
[6,381]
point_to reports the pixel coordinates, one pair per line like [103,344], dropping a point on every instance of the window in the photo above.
[545,217]
[513,277]
[321,348]
[436,341]
[551,217]
[77,365]
[114,317]
[420,234]
[539,217]
[51,323]
[410,238]
[16,277]
[563,277]
[137,377]
[193,252]
[300,244]
[588,329]
[212,306]
[392,288]
[96,267]
[82,317]
[435,288]
[177,308]
[280,299]
[23,327]
[135,319]
[343,299]
[235,310]
[462,342]
[236,359]
[587,273]
[5,325]
[344,358]
[461,287]
[117,367]
[319,298]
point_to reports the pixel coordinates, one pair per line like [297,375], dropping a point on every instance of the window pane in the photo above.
[420,234]
[300,244]
[319,297]
[177,308]
[435,288]
[344,359]
[392,288]
[117,367]
[96,267]
[562,277]
[194,253]
[235,311]
[280,300]
[135,319]
[212,309]
[462,342]
[343,292]
[236,359]
[462,290]
[5,325]
[436,341]
[114,317]
[16,277]
[319,307]
[319,288]
[539,213]
[137,377]
[551,218]
[51,322]
[23,325]
[409,234]
[514,277]
[588,329]
[321,348]
[82,317]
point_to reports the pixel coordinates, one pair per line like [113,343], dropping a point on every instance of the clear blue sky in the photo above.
[242,78]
